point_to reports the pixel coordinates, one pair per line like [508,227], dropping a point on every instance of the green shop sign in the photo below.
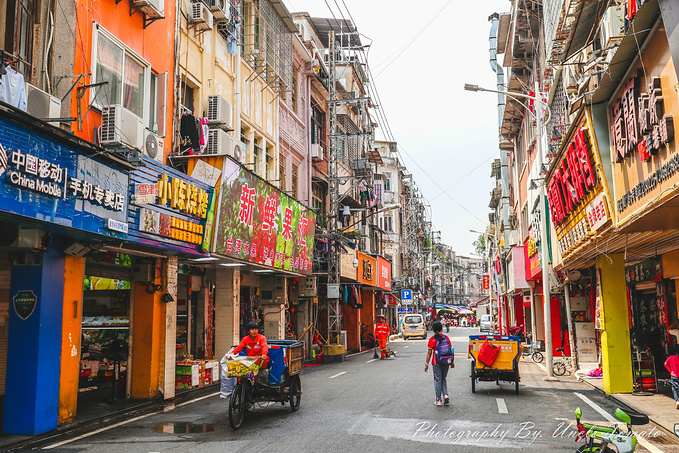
[24,303]
[261,224]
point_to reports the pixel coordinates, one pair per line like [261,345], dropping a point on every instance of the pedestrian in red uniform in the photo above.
[254,344]
[382,332]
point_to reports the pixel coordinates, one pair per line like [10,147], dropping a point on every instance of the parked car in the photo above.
[486,323]
[413,326]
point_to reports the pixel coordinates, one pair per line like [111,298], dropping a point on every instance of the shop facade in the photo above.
[580,210]
[264,241]
[645,167]
[58,200]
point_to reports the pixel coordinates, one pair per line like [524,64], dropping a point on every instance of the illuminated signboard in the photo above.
[43,179]
[383,273]
[261,224]
[170,209]
[576,192]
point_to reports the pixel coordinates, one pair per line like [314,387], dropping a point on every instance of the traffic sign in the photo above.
[405,309]
[406,294]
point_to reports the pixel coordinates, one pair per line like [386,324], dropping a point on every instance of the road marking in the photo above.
[97,431]
[501,406]
[371,360]
[405,347]
[650,447]
[338,374]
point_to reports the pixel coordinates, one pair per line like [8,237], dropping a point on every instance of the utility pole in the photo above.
[334,254]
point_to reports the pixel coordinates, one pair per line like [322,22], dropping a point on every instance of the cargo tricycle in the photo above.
[503,367]
[278,383]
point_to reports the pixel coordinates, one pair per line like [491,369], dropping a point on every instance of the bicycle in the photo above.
[597,438]
[533,352]
[562,364]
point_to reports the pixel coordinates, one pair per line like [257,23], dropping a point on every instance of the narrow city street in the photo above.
[380,405]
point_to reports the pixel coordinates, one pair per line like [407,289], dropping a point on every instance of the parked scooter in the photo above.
[598,438]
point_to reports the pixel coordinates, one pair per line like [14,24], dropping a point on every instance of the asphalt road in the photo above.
[378,405]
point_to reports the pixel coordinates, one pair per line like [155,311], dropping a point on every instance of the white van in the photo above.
[413,326]
[486,323]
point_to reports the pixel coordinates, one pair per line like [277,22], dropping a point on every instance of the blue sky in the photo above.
[422,54]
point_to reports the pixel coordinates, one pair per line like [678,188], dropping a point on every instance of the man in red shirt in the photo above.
[254,344]
[382,332]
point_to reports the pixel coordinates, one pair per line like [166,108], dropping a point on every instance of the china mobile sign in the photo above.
[259,223]
[47,180]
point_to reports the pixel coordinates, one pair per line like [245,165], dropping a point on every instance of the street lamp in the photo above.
[543,211]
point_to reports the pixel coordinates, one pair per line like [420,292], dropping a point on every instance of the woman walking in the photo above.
[440,351]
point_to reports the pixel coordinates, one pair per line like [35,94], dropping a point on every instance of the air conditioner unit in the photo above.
[154,9]
[200,16]
[219,143]
[219,110]
[221,9]
[120,126]
[316,151]
[15,237]
[612,26]
[40,104]
[153,146]
[240,151]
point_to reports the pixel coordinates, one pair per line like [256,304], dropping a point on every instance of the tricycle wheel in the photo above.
[473,377]
[295,393]
[237,406]
[516,378]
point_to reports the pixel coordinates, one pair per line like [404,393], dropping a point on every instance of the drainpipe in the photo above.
[504,154]
[237,102]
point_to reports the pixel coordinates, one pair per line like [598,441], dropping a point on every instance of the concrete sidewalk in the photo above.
[660,406]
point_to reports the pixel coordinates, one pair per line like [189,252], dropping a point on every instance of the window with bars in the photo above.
[281,166]
[318,201]
[20,17]
[269,164]
[294,181]
[318,127]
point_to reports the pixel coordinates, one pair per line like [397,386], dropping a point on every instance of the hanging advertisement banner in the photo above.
[169,209]
[383,273]
[573,185]
[43,179]
[367,266]
[261,224]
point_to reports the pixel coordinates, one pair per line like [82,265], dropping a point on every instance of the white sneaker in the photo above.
[438,403]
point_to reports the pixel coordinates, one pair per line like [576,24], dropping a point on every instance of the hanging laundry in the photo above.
[204,134]
[190,133]
[13,88]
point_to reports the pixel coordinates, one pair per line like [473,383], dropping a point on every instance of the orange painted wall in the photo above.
[147,342]
[74,274]
[155,44]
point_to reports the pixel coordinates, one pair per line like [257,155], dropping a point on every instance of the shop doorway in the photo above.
[104,348]
[649,320]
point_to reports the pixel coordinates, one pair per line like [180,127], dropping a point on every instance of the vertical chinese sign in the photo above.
[260,224]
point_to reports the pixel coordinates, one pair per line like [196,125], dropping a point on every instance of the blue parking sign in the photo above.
[406,294]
